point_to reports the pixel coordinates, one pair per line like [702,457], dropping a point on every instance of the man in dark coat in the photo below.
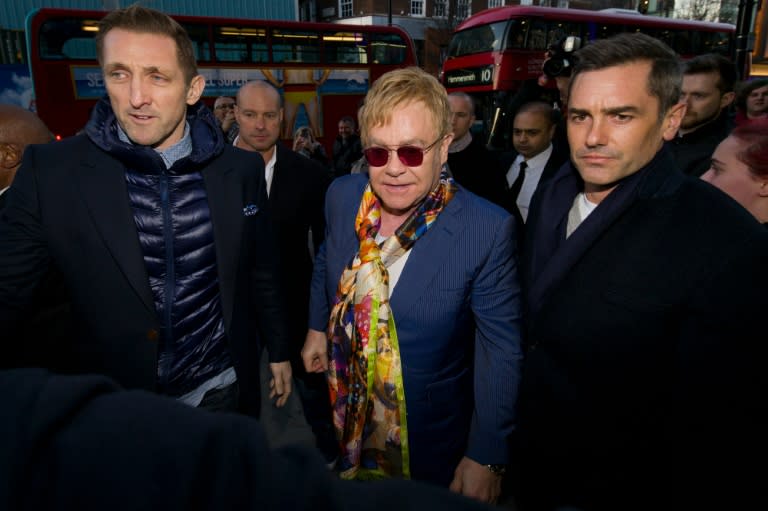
[18,129]
[644,384]
[708,92]
[296,187]
[470,162]
[347,148]
[533,131]
[161,232]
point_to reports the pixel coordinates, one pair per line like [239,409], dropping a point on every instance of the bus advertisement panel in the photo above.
[496,55]
[322,70]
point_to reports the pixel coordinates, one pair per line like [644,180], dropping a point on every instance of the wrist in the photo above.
[497,469]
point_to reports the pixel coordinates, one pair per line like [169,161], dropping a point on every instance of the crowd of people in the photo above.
[230,321]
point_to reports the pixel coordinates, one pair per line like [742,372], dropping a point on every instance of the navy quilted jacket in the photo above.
[173,223]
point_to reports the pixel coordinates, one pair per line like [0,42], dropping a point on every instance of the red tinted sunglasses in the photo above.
[409,155]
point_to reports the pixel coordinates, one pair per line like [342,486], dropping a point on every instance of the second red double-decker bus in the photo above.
[494,53]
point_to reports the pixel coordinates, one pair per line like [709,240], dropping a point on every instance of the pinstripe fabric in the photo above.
[457,310]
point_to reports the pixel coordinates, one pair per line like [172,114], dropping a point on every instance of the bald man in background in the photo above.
[18,129]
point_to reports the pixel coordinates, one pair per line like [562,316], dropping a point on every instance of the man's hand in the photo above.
[315,352]
[476,481]
[229,120]
[280,384]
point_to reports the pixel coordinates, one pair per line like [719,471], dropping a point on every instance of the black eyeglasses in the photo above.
[409,155]
[225,105]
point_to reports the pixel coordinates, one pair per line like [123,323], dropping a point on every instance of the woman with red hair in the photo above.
[740,168]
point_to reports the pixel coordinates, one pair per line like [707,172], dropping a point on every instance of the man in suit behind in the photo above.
[416,285]
[296,188]
[532,134]
[471,163]
[644,383]
[161,232]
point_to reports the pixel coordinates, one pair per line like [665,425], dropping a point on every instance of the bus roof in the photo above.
[497,14]
[184,18]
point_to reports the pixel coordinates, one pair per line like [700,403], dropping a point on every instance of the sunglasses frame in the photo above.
[421,151]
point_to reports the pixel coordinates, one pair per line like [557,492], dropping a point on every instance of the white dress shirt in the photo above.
[532,176]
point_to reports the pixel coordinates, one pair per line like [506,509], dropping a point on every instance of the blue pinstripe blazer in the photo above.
[457,309]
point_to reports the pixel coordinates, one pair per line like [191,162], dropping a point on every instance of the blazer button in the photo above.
[152,334]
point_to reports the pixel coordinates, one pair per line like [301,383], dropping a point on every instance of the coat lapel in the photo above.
[553,256]
[427,257]
[225,200]
[102,186]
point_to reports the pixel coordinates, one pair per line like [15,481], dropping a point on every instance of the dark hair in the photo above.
[713,63]
[348,119]
[540,107]
[745,89]
[664,80]
[149,21]
[754,138]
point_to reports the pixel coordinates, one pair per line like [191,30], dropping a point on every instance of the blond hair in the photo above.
[401,87]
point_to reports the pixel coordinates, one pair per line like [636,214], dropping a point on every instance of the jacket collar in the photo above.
[207,140]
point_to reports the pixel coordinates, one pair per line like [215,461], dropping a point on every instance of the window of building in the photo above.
[526,2]
[417,7]
[463,9]
[495,3]
[345,8]
[440,8]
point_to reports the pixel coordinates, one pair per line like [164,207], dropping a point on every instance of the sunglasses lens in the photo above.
[410,155]
[376,156]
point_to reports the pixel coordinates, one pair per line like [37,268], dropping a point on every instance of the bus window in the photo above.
[295,46]
[388,49]
[80,48]
[714,42]
[240,44]
[682,42]
[345,48]
[605,31]
[200,45]
[477,40]
[560,29]
[537,35]
[68,38]
[516,34]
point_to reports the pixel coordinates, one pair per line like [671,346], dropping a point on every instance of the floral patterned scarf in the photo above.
[365,374]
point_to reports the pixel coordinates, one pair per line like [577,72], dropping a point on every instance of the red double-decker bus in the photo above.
[494,54]
[323,70]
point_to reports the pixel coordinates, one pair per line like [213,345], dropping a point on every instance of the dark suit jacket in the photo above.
[555,161]
[477,169]
[457,311]
[68,209]
[296,201]
[80,443]
[645,384]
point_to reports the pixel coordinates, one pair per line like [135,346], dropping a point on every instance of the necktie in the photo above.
[514,190]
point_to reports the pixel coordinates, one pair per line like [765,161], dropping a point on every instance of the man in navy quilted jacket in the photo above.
[158,228]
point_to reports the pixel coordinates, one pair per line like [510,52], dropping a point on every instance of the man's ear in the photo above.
[763,189]
[10,155]
[195,89]
[672,120]
[726,99]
